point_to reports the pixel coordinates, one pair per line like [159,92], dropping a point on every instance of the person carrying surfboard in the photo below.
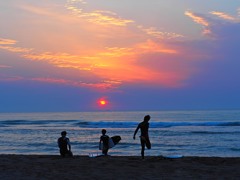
[104,139]
[144,138]
[64,145]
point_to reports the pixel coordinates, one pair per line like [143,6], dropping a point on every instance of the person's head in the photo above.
[63,133]
[104,131]
[147,118]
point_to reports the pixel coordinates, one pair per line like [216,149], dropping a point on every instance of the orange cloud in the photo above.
[118,64]
[151,47]
[8,44]
[199,20]
[16,49]
[7,41]
[62,60]
[100,45]
[104,18]
[97,16]
[152,31]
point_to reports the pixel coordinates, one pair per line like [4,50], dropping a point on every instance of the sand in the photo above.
[118,167]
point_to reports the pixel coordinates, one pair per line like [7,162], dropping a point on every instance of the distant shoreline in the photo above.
[117,167]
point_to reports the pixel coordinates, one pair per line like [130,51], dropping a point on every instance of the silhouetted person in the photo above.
[104,139]
[64,145]
[144,138]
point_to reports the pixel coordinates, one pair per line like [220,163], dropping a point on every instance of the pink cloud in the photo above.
[10,78]
[4,66]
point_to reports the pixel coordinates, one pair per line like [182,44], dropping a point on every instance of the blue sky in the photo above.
[161,55]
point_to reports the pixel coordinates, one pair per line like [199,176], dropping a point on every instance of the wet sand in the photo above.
[117,167]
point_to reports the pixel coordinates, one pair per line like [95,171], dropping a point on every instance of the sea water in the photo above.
[188,133]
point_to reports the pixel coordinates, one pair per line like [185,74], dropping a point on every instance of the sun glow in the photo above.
[103,102]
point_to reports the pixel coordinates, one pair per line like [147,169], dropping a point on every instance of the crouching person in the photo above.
[64,145]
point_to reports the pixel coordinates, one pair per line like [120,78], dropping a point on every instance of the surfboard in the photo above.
[94,155]
[111,142]
[176,156]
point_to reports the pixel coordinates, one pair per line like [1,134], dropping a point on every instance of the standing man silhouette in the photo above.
[144,138]
[105,140]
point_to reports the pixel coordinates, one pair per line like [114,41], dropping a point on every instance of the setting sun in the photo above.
[102,102]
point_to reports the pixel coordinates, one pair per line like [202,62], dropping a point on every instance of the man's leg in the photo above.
[105,151]
[148,143]
[62,152]
[70,153]
[143,143]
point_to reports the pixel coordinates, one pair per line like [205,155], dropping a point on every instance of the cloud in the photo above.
[115,65]
[7,41]
[4,66]
[10,78]
[96,16]
[200,19]
[212,26]
[16,49]
[197,18]
[224,16]
[100,45]
[104,18]
[104,85]
[220,67]
[10,45]
[83,48]
[152,31]
[152,47]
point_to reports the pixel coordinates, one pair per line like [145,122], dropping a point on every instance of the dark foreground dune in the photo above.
[83,167]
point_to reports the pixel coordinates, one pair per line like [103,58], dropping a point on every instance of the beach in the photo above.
[117,167]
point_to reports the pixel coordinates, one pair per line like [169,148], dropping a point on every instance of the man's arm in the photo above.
[58,143]
[136,132]
[69,145]
[107,143]
[100,143]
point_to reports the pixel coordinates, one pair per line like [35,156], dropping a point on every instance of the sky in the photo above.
[106,55]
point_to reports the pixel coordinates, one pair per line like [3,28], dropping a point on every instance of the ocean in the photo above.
[187,133]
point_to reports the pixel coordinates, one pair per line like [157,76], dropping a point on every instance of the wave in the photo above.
[215,132]
[109,124]
[154,124]
[6,123]
[235,149]
[171,124]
